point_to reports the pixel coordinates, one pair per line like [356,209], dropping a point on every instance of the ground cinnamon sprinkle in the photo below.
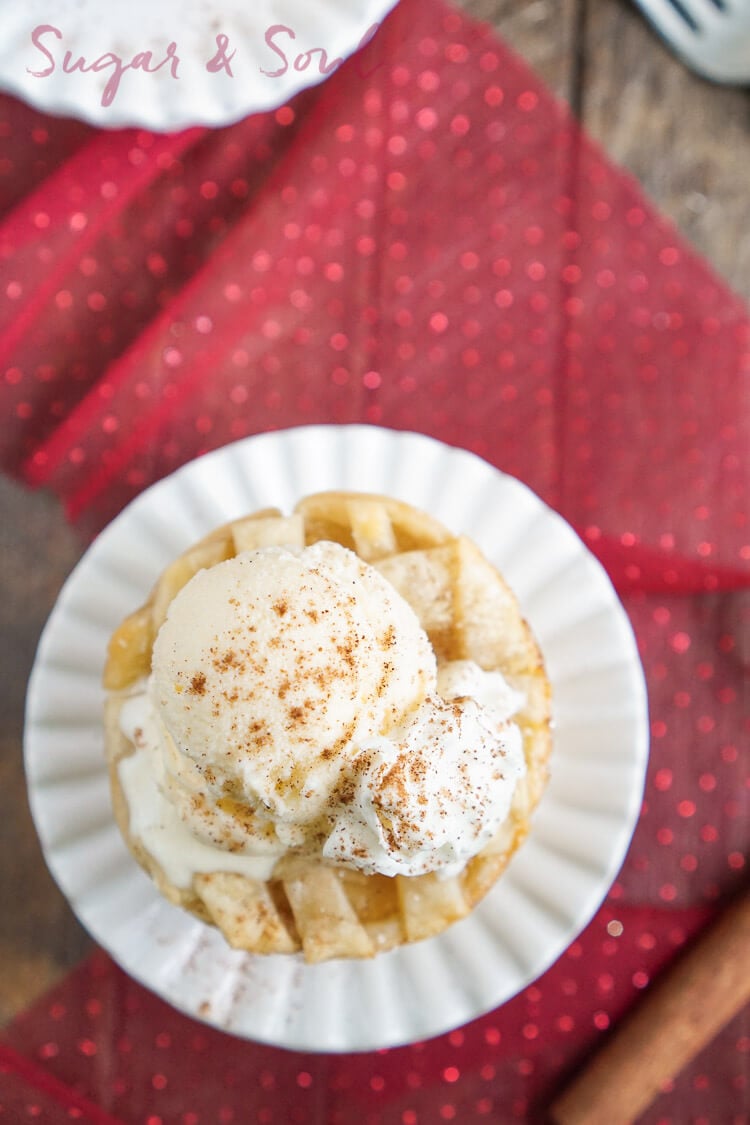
[198,684]
[389,638]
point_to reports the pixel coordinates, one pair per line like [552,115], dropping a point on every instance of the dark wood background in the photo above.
[688,143]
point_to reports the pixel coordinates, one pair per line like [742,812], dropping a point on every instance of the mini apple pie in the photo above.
[327,731]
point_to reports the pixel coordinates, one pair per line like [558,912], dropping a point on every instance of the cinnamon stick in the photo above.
[676,1017]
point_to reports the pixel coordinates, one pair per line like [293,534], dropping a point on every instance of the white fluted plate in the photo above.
[72,56]
[553,885]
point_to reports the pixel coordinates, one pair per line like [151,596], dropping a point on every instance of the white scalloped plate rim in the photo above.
[554,884]
[310,36]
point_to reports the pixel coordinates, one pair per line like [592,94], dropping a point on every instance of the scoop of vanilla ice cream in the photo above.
[295,703]
[269,669]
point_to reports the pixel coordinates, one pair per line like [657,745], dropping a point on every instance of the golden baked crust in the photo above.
[468,612]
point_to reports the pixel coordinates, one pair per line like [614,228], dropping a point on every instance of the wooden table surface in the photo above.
[687,142]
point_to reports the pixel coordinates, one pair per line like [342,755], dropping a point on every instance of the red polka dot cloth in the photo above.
[425,241]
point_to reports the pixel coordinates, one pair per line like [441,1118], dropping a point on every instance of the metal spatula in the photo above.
[711,36]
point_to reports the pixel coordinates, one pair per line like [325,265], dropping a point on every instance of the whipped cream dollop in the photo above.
[430,796]
[295,703]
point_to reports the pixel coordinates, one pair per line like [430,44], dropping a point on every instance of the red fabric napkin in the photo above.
[426,241]
[142,1062]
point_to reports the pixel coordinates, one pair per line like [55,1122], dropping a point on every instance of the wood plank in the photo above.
[686,140]
[39,935]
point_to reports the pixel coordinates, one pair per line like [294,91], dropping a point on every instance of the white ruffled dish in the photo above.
[553,885]
[167,66]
